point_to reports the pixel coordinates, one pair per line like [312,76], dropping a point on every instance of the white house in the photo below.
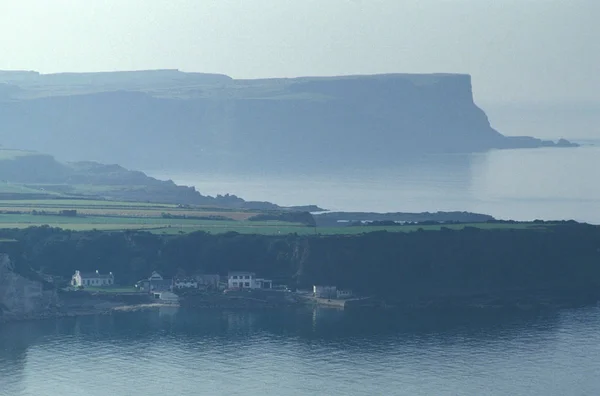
[95,279]
[185,283]
[247,280]
[325,291]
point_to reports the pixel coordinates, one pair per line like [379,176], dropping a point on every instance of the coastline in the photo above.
[73,313]
[91,305]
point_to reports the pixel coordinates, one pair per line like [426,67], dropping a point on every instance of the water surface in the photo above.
[549,184]
[325,352]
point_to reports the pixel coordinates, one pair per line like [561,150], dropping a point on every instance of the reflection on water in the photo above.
[305,351]
[511,184]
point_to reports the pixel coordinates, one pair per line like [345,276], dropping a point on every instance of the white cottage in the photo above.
[95,279]
[185,283]
[247,280]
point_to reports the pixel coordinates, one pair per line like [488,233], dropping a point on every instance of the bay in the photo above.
[305,351]
[525,184]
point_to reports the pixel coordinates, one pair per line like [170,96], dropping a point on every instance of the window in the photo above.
[247,284]
[234,276]
[235,284]
[246,277]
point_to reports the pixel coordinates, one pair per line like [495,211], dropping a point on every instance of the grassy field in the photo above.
[116,289]
[96,208]
[116,216]
[281,228]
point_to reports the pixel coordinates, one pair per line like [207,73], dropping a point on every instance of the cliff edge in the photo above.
[192,121]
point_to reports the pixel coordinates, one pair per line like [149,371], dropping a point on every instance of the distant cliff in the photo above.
[175,120]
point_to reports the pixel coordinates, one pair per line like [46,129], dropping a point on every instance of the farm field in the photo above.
[104,215]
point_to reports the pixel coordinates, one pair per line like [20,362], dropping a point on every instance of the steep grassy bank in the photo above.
[558,259]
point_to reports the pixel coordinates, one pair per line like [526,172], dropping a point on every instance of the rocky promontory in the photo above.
[193,121]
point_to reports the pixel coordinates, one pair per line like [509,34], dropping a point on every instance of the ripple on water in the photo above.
[270,354]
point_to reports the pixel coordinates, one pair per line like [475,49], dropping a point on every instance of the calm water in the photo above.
[549,184]
[323,352]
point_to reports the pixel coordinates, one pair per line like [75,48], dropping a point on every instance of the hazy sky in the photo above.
[516,50]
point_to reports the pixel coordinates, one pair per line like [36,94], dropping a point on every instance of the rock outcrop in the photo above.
[21,297]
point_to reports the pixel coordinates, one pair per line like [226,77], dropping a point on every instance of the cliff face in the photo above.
[210,122]
[20,296]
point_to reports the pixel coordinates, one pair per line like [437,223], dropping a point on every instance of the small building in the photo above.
[208,280]
[166,297]
[325,291]
[342,294]
[185,283]
[247,280]
[240,280]
[155,276]
[261,283]
[155,283]
[94,279]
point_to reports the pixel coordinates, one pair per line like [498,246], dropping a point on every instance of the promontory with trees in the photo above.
[544,263]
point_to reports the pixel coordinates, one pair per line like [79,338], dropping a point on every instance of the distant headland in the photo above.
[172,119]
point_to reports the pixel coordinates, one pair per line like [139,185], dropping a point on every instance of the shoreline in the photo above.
[103,309]
[74,313]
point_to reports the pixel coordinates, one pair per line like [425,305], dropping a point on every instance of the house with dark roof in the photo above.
[155,283]
[95,279]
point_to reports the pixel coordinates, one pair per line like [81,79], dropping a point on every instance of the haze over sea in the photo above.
[525,184]
[321,352]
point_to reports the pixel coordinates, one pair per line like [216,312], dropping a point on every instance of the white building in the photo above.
[95,279]
[325,291]
[187,283]
[247,280]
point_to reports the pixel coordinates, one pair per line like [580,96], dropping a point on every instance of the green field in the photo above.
[116,289]
[117,216]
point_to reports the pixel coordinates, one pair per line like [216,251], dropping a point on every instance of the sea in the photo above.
[523,184]
[305,351]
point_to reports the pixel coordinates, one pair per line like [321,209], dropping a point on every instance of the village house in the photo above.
[185,283]
[247,280]
[95,279]
[155,283]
